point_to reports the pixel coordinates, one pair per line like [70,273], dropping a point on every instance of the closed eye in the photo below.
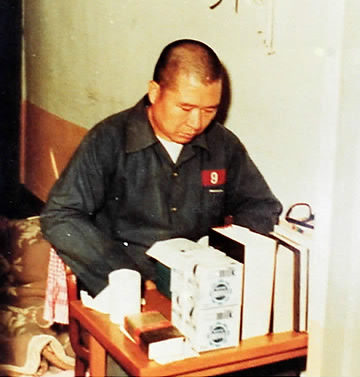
[186,108]
[208,110]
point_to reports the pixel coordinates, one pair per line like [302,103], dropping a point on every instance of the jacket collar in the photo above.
[140,135]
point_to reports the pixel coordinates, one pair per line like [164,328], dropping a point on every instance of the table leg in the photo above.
[80,367]
[97,361]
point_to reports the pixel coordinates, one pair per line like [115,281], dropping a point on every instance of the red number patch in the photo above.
[213,177]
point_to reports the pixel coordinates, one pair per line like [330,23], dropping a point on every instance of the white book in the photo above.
[284,291]
[291,295]
[258,259]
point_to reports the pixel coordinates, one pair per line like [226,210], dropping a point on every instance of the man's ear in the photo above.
[153,91]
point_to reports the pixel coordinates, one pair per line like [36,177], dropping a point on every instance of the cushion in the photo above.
[28,343]
[29,251]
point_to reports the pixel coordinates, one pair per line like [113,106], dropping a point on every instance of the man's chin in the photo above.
[184,139]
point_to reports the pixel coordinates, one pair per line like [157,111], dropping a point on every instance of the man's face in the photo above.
[179,114]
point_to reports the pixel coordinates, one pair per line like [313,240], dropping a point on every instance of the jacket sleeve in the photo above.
[67,218]
[250,201]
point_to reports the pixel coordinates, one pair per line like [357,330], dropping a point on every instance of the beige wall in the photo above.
[341,335]
[295,109]
[87,59]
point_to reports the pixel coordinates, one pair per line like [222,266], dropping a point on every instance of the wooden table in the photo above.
[106,336]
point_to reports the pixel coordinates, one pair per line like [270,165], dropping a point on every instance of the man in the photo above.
[162,169]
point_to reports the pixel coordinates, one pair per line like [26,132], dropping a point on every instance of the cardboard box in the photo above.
[212,283]
[209,329]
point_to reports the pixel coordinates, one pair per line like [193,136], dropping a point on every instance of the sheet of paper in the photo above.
[100,302]
[188,352]
[172,252]
[177,252]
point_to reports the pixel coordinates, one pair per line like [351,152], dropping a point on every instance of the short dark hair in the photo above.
[187,56]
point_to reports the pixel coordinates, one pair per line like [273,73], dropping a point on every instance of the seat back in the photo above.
[77,340]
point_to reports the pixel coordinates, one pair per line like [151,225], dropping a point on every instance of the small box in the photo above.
[209,329]
[211,283]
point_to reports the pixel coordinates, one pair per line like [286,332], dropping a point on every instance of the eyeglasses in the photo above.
[300,214]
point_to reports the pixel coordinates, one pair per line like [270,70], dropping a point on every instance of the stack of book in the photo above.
[276,279]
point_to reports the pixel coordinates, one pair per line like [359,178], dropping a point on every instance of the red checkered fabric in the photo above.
[56,307]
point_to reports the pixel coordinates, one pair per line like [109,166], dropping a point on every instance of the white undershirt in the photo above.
[172,148]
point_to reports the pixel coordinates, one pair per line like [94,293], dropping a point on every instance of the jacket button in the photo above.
[173,209]
[175,174]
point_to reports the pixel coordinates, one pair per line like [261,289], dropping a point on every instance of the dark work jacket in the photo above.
[121,192]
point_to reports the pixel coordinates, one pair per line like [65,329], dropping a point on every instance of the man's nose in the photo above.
[194,120]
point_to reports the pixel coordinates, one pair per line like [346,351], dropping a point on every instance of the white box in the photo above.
[209,329]
[209,284]
[218,284]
